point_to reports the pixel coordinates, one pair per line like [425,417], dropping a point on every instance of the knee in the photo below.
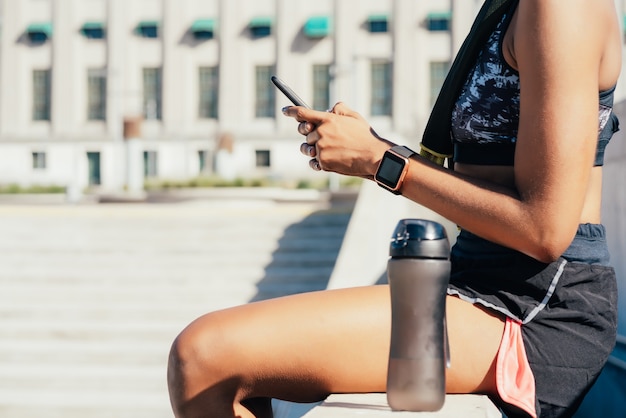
[183,358]
[196,362]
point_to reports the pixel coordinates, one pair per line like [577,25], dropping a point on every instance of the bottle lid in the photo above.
[419,238]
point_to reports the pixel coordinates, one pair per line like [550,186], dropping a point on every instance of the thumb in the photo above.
[303,114]
[342,109]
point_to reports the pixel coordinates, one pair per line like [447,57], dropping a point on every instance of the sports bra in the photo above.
[486,115]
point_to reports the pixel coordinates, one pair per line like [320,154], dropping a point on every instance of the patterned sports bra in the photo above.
[486,115]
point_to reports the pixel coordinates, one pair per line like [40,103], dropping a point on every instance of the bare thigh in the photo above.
[304,347]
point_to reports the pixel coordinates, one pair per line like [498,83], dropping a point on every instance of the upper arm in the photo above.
[558,50]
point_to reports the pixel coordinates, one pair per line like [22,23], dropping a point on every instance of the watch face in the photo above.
[390,170]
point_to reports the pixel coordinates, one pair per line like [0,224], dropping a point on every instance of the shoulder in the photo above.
[558,34]
[574,18]
[564,14]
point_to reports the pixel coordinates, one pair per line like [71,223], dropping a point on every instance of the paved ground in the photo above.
[374,405]
[91,296]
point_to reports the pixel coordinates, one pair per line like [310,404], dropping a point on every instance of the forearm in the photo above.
[493,211]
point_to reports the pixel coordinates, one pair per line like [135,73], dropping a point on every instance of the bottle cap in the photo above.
[419,238]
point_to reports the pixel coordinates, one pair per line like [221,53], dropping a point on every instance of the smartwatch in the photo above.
[393,167]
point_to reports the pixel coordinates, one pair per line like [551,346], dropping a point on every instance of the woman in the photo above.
[531,308]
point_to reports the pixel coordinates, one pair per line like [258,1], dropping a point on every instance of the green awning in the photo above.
[317,27]
[203,25]
[148,28]
[261,26]
[378,18]
[378,23]
[41,28]
[93,30]
[439,21]
[203,28]
[93,26]
[261,21]
[148,24]
[440,15]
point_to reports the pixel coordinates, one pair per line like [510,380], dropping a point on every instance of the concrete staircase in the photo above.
[91,296]
[307,251]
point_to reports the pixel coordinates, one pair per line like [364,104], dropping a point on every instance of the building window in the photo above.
[381,88]
[321,86]
[262,158]
[208,81]
[438,73]
[150,168]
[152,93]
[41,95]
[93,160]
[265,102]
[96,94]
[438,21]
[39,160]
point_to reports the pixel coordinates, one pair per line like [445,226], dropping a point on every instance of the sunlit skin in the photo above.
[304,347]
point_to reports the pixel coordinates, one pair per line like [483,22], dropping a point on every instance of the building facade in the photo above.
[102,94]
[189,79]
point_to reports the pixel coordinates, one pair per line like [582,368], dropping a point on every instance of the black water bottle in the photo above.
[418,273]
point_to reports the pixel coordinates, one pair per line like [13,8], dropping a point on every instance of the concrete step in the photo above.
[93,377]
[15,403]
[76,352]
[375,405]
[91,297]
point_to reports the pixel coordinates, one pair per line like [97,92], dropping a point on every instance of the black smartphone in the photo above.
[286,90]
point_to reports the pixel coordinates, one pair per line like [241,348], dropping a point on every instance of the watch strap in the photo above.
[406,152]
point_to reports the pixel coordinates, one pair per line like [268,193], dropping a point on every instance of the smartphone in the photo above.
[291,95]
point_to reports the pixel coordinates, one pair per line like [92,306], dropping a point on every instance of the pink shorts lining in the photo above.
[514,378]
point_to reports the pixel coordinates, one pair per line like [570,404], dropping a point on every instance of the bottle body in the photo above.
[417,356]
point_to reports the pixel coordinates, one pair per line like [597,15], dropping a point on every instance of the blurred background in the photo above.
[140,139]
[99,96]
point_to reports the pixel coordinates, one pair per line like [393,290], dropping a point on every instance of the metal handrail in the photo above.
[614,361]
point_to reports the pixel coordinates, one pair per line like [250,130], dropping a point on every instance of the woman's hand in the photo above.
[339,140]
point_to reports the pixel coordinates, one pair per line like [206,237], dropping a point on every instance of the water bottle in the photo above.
[418,273]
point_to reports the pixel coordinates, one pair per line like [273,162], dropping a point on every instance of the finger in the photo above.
[315,165]
[303,114]
[313,137]
[305,128]
[308,150]
[341,108]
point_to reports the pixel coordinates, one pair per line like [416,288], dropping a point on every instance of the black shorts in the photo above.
[567,310]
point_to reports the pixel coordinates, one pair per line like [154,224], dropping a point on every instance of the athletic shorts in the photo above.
[561,318]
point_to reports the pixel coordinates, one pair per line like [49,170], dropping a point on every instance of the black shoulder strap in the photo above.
[436,142]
